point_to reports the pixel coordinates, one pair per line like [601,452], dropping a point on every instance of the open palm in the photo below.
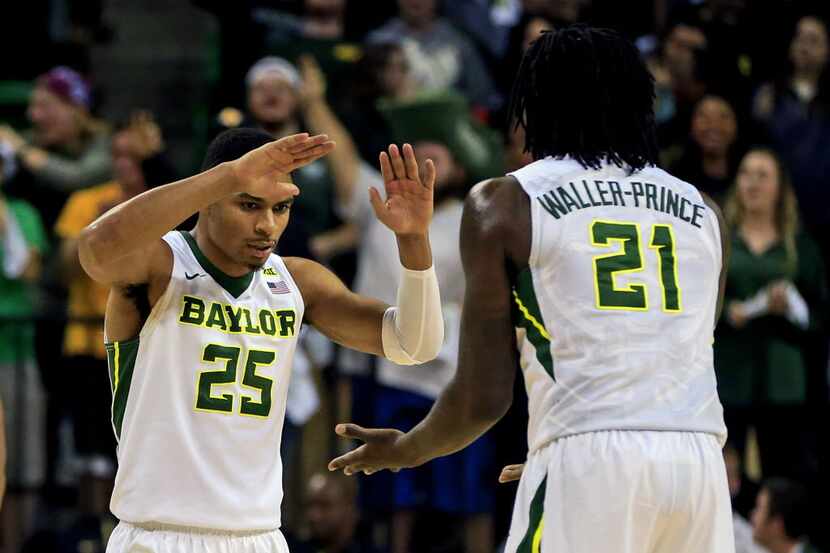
[280,157]
[408,206]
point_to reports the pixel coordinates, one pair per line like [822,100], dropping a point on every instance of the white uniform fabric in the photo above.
[129,538]
[378,275]
[593,365]
[624,492]
[200,415]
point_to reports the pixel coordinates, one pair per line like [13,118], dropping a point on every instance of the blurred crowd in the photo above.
[743,111]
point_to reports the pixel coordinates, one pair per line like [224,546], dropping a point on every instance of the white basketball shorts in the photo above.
[624,492]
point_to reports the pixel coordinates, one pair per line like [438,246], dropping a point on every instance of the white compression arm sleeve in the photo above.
[413,331]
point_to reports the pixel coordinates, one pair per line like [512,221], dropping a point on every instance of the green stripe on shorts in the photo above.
[532,542]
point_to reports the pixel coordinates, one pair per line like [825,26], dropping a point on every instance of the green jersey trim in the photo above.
[532,541]
[235,286]
[121,358]
[527,315]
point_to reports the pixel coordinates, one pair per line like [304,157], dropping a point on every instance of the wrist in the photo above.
[411,454]
[228,177]
[414,251]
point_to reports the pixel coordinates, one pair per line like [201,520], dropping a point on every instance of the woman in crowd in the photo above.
[67,149]
[773,308]
[795,110]
[709,158]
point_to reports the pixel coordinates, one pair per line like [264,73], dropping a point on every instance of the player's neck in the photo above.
[215,255]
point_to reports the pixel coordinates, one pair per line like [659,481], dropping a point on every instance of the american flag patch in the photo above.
[279,287]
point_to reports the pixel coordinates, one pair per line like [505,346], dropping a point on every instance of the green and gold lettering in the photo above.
[216,317]
[193,311]
[287,319]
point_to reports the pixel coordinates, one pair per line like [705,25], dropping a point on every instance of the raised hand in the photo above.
[382,449]
[276,159]
[408,206]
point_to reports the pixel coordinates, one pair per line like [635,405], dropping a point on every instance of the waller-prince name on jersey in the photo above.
[585,194]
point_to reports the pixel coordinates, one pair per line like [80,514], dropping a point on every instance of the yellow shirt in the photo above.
[87,298]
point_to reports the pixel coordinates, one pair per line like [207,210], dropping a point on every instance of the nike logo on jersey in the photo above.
[194,275]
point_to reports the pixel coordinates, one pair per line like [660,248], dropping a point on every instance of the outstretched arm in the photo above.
[412,331]
[482,389]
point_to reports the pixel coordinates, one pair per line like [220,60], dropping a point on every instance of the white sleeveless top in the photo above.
[618,303]
[199,397]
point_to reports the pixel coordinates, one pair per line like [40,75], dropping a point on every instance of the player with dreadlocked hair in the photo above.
[585,92]
[612,270]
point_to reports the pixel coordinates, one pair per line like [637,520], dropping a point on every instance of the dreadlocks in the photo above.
[585,92]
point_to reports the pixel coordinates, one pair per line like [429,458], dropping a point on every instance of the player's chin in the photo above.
[255,264]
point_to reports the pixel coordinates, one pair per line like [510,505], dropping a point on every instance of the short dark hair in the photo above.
[585,92]
[233,144]
[788,499]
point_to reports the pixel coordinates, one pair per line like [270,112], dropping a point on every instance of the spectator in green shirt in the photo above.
[774,303]
[22,243]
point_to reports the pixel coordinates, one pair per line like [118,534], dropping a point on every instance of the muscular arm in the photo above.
[347,318]
[357,321]
[495,239]
[124,245]
[725,243]
[482,389]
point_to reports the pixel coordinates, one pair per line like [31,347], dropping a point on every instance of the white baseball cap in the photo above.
[275,65]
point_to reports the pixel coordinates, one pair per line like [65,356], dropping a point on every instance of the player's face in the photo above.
[809,48]
[56,121]
[760,519]
[714,125]
[758,183]
[245,227]
[271,99]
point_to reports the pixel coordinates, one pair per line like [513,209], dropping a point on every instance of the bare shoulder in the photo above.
[498,210]
[312,278]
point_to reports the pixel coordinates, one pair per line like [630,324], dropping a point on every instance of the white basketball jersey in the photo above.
[199,397]
[618,302]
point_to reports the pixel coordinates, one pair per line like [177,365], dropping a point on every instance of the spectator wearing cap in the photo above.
[439,56]
[22,246]
[780,517]
[66,149]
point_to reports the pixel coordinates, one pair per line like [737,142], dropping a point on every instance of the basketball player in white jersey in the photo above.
[612,268]
[201,327]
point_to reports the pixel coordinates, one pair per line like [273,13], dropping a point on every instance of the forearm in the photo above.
[413,330]
[344,160]
[415,252]
[147,217]
[451,425]
[64,174]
